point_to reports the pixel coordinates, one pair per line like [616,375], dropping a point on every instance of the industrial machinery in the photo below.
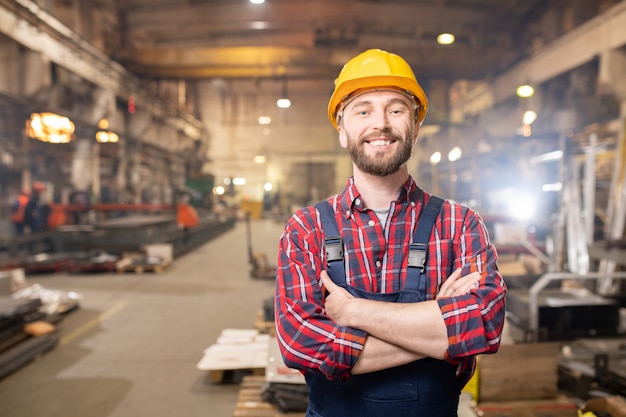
[593,365]
[567,310]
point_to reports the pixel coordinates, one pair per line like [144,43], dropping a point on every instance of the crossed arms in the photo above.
[399,333]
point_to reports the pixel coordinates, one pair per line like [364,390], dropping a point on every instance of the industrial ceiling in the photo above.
[499,43]
[311,39]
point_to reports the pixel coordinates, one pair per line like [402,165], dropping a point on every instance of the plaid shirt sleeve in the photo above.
[307,337]
[475,320]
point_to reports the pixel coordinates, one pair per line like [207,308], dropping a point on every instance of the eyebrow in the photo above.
[394,100]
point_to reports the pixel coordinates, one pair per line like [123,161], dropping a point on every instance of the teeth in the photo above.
[380,142]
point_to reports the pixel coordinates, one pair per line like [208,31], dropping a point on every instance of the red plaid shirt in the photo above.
[376,257]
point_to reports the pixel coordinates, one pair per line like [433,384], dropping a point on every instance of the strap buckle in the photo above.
[417,255]
[334,249]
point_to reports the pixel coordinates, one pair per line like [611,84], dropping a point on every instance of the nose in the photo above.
[380,118]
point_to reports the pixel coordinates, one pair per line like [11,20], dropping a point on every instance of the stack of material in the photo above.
[27,317]
[280,392]
[93,261]
[284,387]
[153,258]
[235,350]
[83,261]
[23,334]
[521,380]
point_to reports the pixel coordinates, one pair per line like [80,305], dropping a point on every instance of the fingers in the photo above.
[455,275]
[450,281]
[466,283]
[456,285]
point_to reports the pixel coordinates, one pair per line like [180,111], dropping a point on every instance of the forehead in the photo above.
[379,96]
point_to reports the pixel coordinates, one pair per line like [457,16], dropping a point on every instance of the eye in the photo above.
[398,111]
[361,112]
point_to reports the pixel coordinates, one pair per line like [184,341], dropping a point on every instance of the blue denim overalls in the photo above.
[426,387]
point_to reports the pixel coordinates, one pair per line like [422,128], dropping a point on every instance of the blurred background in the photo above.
[168,96]
[133,132]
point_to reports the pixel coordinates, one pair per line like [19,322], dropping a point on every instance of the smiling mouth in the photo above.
[380,142]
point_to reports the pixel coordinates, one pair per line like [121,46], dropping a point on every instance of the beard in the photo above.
[381,163]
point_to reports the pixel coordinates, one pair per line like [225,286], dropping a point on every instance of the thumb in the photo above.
[327,282]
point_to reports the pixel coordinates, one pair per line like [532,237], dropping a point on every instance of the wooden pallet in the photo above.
[219,376]
[250,403]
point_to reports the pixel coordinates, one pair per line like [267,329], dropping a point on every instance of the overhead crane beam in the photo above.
[595,38]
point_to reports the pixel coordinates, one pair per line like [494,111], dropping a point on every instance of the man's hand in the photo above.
[337,301]
[457,285]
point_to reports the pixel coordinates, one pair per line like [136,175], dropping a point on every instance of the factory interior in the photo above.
[169,141]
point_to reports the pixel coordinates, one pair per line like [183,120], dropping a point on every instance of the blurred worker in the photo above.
[18,210]
[414,292]
[33,216]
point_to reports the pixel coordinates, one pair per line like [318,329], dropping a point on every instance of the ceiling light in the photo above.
[455,154]
[257,1]
[435,158]
[107,137]
[445,39]
[547,157]
[103,123]
[557,186]
[529,117]
[525,91]
[259,25]
[50,127]
[265,120]
[283,103]
[259,159]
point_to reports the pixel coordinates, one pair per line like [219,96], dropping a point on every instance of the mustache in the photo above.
[381,134]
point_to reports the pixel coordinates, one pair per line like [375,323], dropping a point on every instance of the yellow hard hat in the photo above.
[371,69]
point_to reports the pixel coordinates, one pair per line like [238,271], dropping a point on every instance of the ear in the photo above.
[343,139]
[416,132]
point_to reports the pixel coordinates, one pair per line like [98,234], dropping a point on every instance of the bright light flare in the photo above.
[522,207]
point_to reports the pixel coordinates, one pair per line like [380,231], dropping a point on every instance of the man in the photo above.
[415,292]
[17,212]
[33,218]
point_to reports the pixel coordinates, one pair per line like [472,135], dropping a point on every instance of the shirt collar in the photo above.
[351,200]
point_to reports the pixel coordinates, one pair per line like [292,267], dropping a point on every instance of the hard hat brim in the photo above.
[349,87]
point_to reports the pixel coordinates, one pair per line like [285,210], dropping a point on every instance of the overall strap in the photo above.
[419,246]
[333,245]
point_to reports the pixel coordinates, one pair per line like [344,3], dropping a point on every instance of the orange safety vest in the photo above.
[18,214]
[187,216]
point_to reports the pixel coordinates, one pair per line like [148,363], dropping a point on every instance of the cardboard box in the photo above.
[516,372]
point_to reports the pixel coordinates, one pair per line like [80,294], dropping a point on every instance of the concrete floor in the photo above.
[131,349]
